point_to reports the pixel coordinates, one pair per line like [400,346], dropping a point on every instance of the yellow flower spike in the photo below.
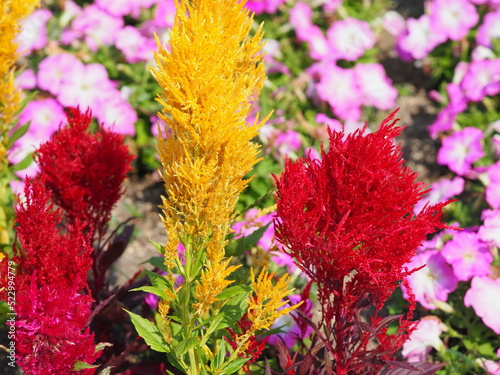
[12,12]
[209,79]
[213,282]
[264,305]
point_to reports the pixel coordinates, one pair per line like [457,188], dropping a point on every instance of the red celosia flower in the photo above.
[255,345]
[44,248]
[351,213]
[50,333]
[348,221]
[85,170]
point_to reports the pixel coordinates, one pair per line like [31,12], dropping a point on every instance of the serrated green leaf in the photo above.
[149,332]
[18,133]
[150,289]
[184,346]
[234,290]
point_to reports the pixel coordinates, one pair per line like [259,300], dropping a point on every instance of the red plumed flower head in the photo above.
[350,214]
[84,170]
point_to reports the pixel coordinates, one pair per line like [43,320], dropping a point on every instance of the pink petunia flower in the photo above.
[490,229]
[452,18]
[375,88]
[33,35]
[493,188]
[441,191]
[264,6]
[26,80]
[291,331]
[350,38]
[98,27]
[433,282]
[482,79]
[468,255]
[45,117]
[419,39]
[394,23]
[85,86]
[339,88]
[489,29]
[121,8]
[483,297]
[54,69]
[423,339]
[116,113]
[135,46]
[300,19]
[461,149]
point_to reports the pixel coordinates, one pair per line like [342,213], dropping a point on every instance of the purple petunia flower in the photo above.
[468,255]
[433,282]
[350,38]
[483,297]
[452,18]
[461,149]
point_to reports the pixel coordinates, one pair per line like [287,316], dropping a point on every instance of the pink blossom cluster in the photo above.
[455,256]
[67,76]
[346,90]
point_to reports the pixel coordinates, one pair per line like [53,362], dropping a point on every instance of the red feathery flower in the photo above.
[351,213]
[50,333]
[348,221]
[55,254]
[85,170]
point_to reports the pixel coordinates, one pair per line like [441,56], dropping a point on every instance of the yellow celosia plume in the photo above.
[12,12]
[209,79]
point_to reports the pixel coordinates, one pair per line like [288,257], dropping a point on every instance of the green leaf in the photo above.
[157,262]
[157,281]
[220,355]
[237,247]
[106,371]
[80,365]
[184,346]
[18,133]
[234,290]
[234,366]
[150,289]
[101,346]
[149,332]
[23,164]
[233,310]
